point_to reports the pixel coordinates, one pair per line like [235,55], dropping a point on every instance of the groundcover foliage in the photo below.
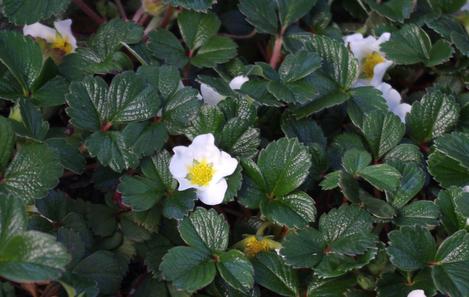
[234,148]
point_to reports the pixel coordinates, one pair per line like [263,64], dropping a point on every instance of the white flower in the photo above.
[202,166]
[466,189]
[393,99]
[371,60]
[465,7]
[60,38]
[212,97]
[417,293]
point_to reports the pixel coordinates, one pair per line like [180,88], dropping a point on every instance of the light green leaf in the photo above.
[434,115]
[236,270]
[205,230]
[34,170]
[285,165]
[381,176]
[298,65]
[355,160]
[188,268]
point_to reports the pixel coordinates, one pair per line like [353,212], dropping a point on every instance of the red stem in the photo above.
[167,17]
[89,12]
[277,52]
[106,127]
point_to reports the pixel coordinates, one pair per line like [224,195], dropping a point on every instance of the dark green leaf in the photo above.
[23,12]
[261,14]
[7,142]
[236,270]
[197,28]
[381,176]
[216,50]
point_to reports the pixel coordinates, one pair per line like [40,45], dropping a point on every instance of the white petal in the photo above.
[465,7]
[41,31]
[353,37]
[467,222]
[213,194]
[225,166]
[401,110]
[237,82]
[378,72]
[384,37]
[180,85]
[466,189]
[180,161]
[210,95]
[184,184]
[392,97]
[417,293]
[203,148]
[65,29]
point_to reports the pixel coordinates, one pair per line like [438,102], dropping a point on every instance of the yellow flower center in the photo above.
[200,173]
[369,63]
[153,7]
[61,43]
[253,246]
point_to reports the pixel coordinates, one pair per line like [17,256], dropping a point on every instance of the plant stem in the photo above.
[89,12]
[167,16]
[106,127]
[121,9]
[277,51]
[138,14]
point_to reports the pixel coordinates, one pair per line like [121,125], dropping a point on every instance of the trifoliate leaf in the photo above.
[412,181]
[112,150]
[293,210]
[197,28]
[23,12]
[188,268]
[181,108]
[271,272]
[165,46]
[205,230]
[411,248]
[355,160]
[236,270]
[434,115]
[383,131]
[34,170]
[261,14]
[216,50]
[396,10]
[422,213]
[381,176]
[411,45]
[278,158]
[145,138]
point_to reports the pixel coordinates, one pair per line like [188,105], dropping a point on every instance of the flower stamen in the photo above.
[369,63]
[200,173]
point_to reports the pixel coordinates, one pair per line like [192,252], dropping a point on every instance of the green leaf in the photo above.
[377,207]
[338,62]
[22,57]
[412,181]
[181,109]
[188,268]
[320,103]
[216,50]
[34,170]
[205,230]
[455,146]
[111,150]
[177,205]
[294,210]
[198,5]
[271,272]
[422,213]
[7,142]
[383,131]
[355,160]
[306,130]
[29,123]
[145,138]
[69,154]
[447,171]
[331,180]
[139,193]
[285,165]
[395,10]
[451,217]
[165,46]
[197,28]
[451,274]
[52,93]
[411,45]
[330,287]
[261,14]
[298,65]
[32,256]
[236,270]
[381,176]
[103,268]
[433,116]
[303,248]
[153,251]
[12,217]
[396,285]
[291,11]
[347,230]
[405,152]
[364,100]
[411,248]
[23,12]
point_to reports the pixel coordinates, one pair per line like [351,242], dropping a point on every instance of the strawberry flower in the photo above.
[59,38]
